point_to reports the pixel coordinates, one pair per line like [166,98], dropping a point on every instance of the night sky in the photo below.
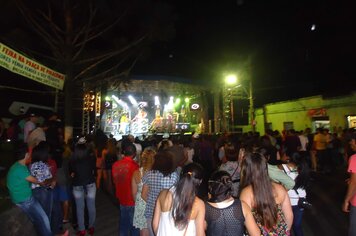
[295,48]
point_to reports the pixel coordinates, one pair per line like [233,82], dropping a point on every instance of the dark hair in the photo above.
[130,150]
[254,172]
[231,152]
[80,151]
[219,186]
[302,179]
[40,153]
[186,190]
[164,162]
[20,151]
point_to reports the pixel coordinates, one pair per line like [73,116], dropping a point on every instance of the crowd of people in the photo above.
[229,184]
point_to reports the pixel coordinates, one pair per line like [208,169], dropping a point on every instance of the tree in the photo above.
[93,41]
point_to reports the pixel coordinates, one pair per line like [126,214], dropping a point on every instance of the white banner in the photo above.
[19,64]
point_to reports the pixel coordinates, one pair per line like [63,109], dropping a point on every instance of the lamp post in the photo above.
[230,83]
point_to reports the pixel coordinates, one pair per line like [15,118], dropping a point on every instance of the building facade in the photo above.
[310,112]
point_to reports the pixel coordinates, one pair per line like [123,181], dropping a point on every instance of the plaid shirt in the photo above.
[156,183]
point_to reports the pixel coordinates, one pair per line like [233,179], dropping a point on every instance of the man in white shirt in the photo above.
[30,125]
[37,135]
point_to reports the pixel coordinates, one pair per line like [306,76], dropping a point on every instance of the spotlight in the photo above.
[157,103]
[132,100]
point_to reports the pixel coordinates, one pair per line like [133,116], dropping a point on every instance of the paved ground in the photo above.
[326,218]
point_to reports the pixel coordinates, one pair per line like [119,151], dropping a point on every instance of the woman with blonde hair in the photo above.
[268,200]
[146,162]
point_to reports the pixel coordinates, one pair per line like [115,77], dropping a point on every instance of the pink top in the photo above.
[352,169]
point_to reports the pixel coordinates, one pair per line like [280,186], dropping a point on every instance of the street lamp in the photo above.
[231,83]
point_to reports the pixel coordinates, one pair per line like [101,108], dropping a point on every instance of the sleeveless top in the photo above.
[166,224]
[139,220]
[281,227]
[225,221]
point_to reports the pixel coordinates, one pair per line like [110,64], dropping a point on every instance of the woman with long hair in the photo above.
[268,200]
[225,215]
[146,162]
[82,170]
[297,168]
[178,210]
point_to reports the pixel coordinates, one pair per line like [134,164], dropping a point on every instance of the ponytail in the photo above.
[185,194]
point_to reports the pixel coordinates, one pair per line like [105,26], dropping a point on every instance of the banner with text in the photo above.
[19,64]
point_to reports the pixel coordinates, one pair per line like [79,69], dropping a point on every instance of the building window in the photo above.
[288,125]
[269,126]
[351,121]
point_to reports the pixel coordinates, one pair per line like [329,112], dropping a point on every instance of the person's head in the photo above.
[130,150]
[302,180]
[22,153]
[33,118]
[131,138]
[254,173]
[164,162]
[230,152]
[147,159]
[219,186]
[186,190]
[40,153]
[165,143]
[80,149]
[352,142]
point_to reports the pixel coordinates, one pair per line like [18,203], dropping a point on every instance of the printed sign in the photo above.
[19,64]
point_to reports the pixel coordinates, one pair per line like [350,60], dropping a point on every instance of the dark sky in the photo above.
[287,58]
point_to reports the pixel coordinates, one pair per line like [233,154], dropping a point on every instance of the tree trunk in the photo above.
[68,106]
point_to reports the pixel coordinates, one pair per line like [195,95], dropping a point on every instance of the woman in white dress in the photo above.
[178,210]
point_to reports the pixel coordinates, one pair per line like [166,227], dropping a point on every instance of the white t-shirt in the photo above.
[29,126]
[293,195]
[304,142]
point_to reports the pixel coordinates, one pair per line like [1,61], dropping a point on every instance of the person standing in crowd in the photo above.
[224,214]
[18,183]
[110,157]
[232,167]
[349,204]
[63,183]
[178,210]
[40,169]
[319,146]
[163,175]
[122,172]
[146,162]
[29,126]
[297,168]
[275,172]
[82,171]
[269,201]
[54,137]
[37,135]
